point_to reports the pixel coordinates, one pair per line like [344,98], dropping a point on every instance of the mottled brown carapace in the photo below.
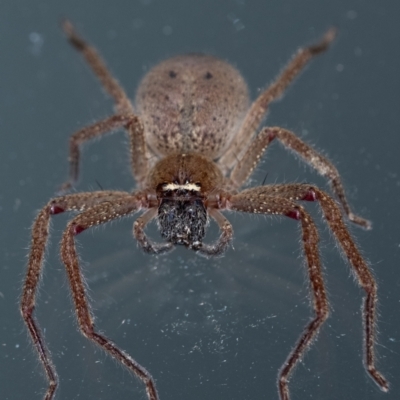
[194,143]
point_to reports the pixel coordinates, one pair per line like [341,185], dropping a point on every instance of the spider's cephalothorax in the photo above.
[182,216]
[193,116]
[183,184]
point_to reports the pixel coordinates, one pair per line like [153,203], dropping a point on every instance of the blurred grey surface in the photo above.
[216,329]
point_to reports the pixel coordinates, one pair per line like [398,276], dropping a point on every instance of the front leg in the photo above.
[40,234]
[255,202]
[360,269]
[255,197]
[94,216]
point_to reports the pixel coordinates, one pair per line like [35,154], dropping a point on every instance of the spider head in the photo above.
[182,216]
[182,183]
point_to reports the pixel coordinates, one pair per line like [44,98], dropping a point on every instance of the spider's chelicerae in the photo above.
[193,117]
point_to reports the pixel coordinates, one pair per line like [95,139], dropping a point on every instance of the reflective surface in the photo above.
[204,328]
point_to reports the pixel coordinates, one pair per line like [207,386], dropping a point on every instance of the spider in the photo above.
[193,146]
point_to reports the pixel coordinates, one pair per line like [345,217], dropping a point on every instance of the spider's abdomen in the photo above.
[192,103]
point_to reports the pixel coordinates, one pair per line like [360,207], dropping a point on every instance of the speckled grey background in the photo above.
[204,328]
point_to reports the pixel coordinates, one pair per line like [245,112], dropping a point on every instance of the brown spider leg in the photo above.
[40,233]
[85,134]
[99,214]
[259,203]
[143,241]
[259,107]
[245,166]
[219,247]
[123,104]
[139,151]
[322,165]
[360,268]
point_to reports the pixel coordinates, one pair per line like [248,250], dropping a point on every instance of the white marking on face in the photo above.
[186,186]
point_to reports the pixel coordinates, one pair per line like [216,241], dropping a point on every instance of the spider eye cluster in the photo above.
[182,216]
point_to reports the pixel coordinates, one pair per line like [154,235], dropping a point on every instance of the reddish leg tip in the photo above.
[77,229]
[271,135]
[310,196]
[55,209]
[294,214]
